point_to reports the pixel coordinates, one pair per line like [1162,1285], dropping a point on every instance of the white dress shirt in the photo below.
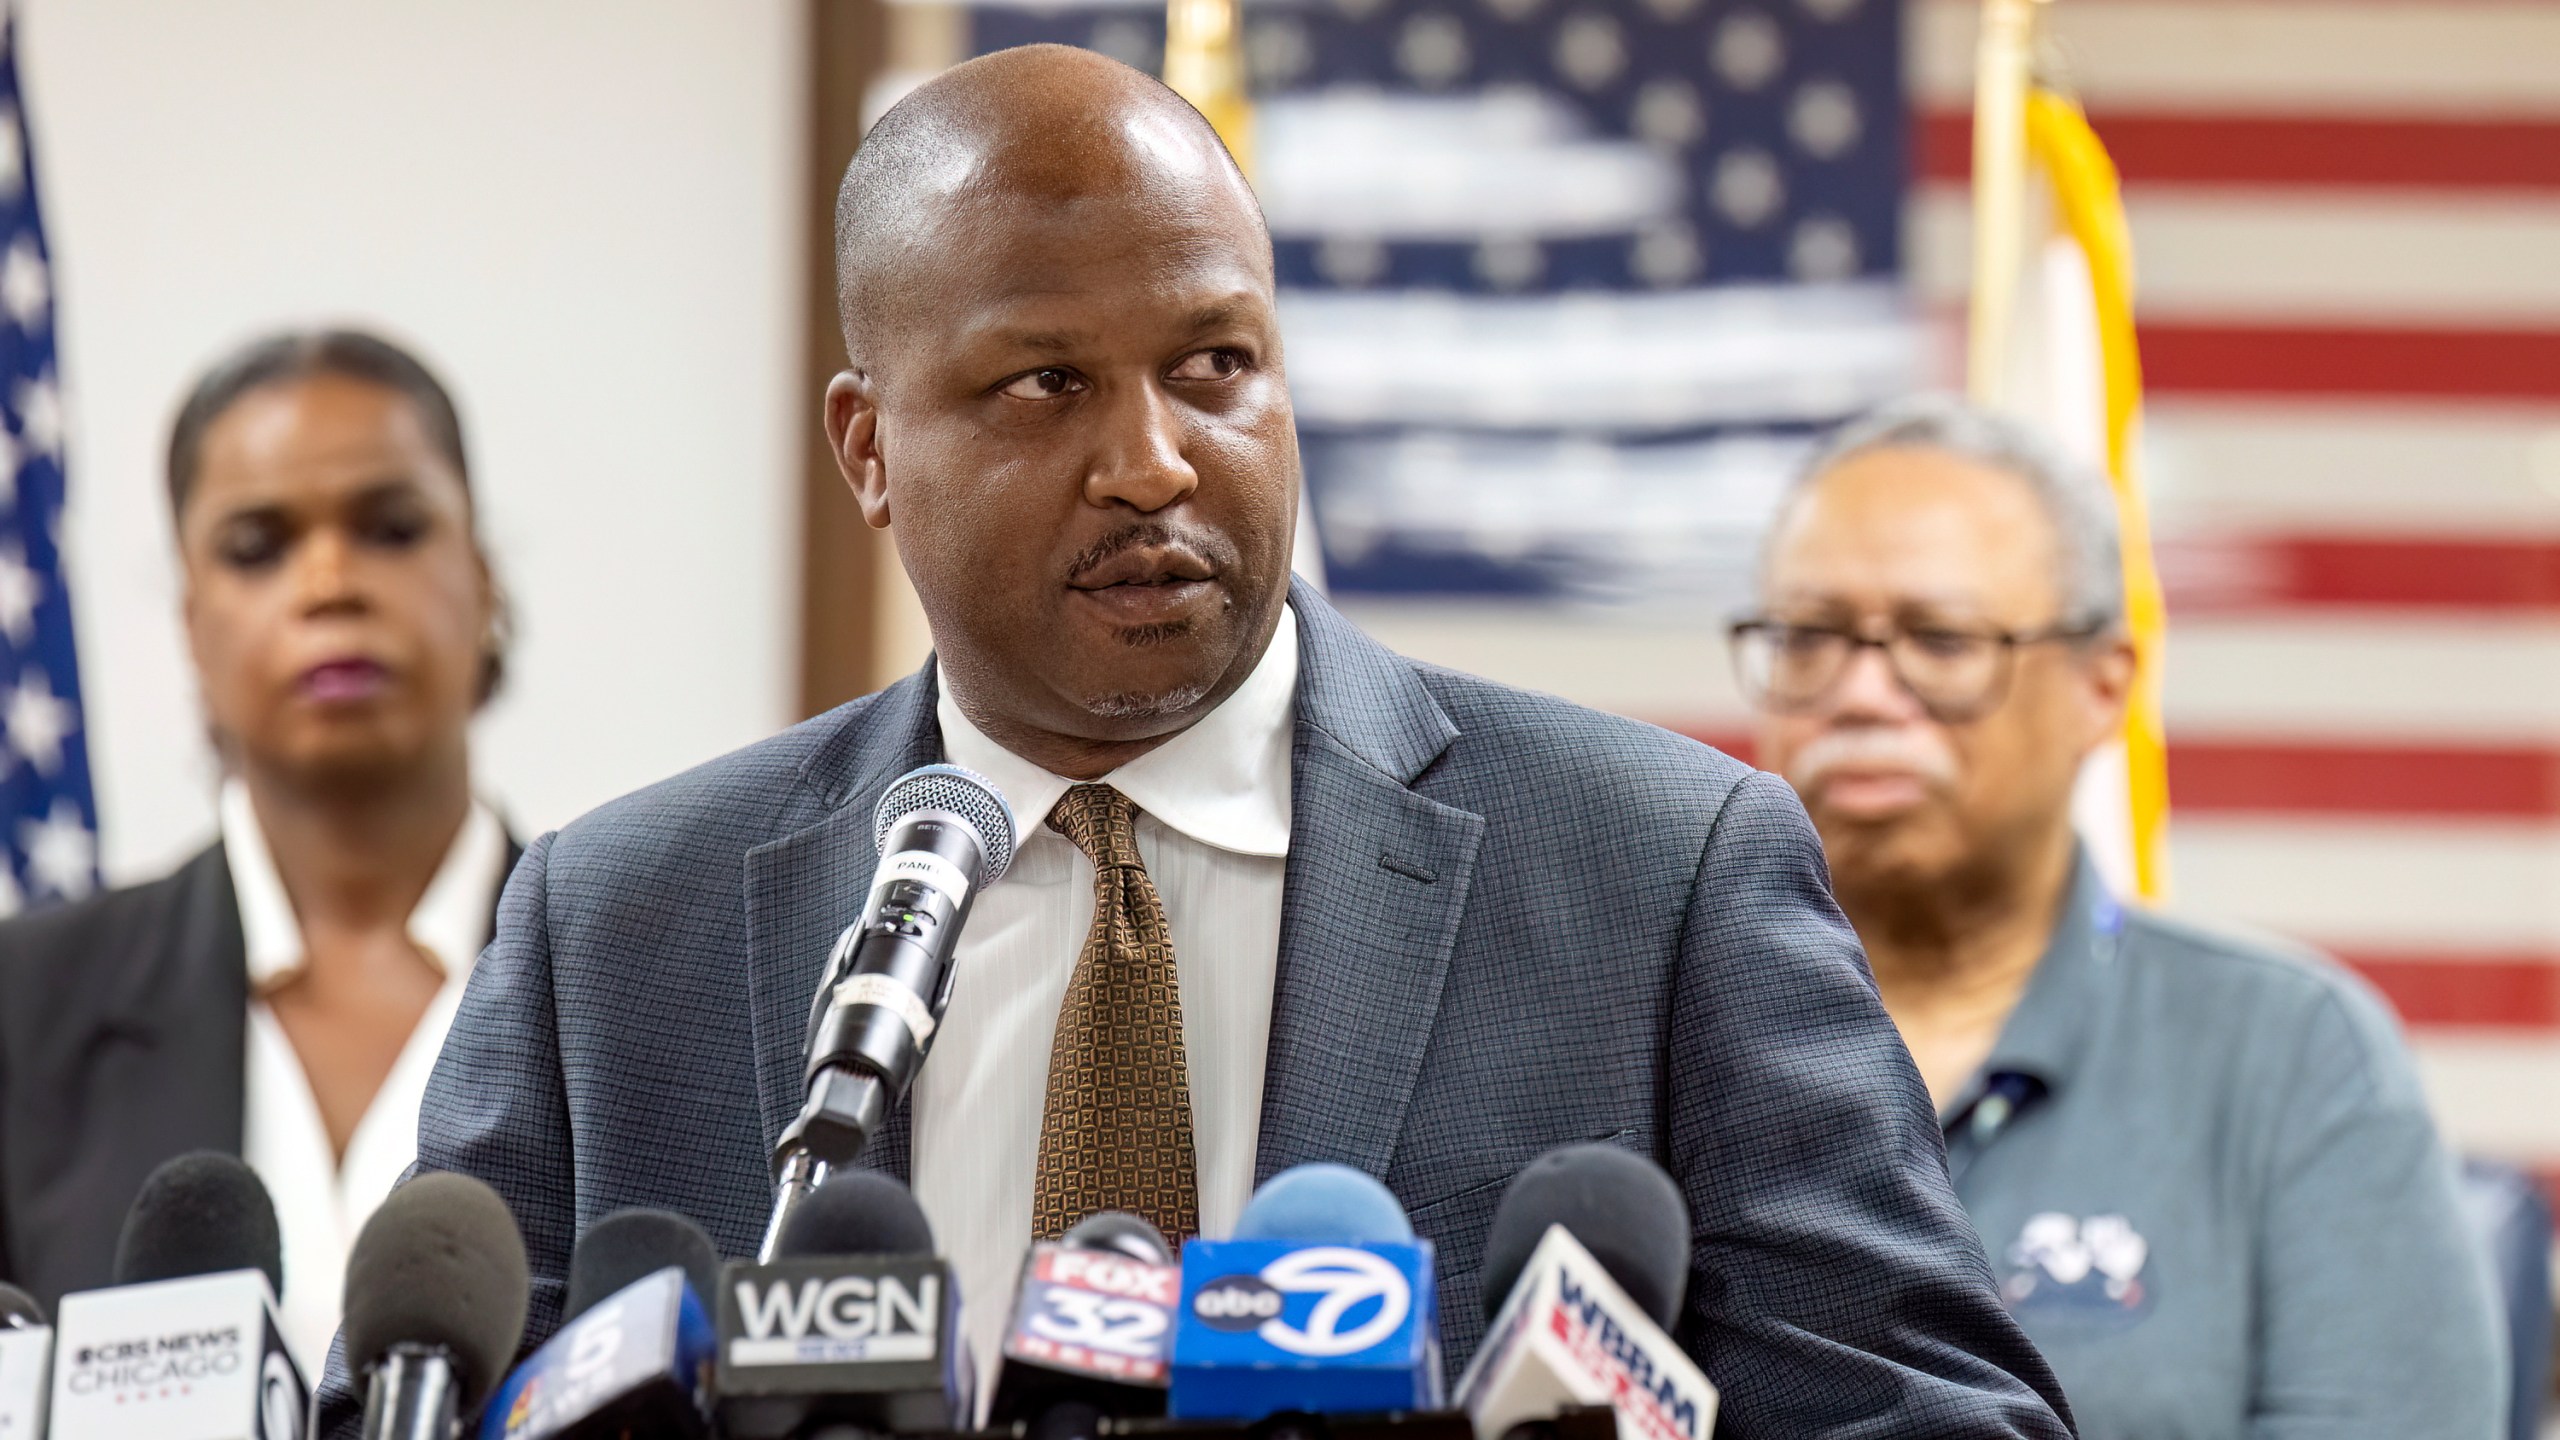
[1214,832]
[322,1201]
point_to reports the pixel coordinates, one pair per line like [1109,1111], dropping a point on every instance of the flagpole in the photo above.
[1204,64]
[2001,56]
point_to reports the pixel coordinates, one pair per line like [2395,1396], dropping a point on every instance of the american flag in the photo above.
[48,817]
[1627,252]
[2346,225]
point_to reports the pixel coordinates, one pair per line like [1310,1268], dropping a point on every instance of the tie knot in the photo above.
[1101,822]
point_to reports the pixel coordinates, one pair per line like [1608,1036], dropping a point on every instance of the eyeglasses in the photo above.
[1956,674]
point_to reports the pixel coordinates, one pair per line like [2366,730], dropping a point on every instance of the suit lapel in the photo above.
[1377,886]
[190,1094]
[207,973]
[801,890]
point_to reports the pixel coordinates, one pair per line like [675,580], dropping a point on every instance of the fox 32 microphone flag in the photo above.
[48,815]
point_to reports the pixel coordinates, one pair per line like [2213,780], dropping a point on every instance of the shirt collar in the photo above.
[450,923]
[2045,1036]
[1223,782]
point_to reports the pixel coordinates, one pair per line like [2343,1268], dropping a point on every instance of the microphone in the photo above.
[1590,1252]
[197,1215]
[26,1361]
[943,835]
[1323,1301]
[630,1245]
[184,1345]
[435,1305]
[853,1323]
[633,1354]
[1092,1329]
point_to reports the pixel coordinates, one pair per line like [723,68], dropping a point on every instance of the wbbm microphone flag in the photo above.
[48,816]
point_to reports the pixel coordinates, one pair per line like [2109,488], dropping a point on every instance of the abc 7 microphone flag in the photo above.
[1271,1325]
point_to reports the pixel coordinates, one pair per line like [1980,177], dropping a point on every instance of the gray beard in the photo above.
[1146,707]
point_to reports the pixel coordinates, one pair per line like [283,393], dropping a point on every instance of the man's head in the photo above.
[1938,762]
[1065,397]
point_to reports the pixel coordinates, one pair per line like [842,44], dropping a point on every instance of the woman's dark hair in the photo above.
[290,356]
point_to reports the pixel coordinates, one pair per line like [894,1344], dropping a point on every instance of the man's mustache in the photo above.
[1207,545]
[1872,747]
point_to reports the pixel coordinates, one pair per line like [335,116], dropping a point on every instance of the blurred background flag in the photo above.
[1204,63]
[1568,284]
[2051,338]
[48,817]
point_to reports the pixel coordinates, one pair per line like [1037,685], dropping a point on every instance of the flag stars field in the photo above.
[20,592]
[26,287]
[40,416]
[62,855]
[34,722]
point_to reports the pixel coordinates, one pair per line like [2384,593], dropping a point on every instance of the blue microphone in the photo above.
[1323,1301]
[634,1358]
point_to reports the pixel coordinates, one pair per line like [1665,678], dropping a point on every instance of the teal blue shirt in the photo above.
[2213,1197]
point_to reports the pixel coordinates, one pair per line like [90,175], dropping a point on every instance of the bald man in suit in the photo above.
[1374,911]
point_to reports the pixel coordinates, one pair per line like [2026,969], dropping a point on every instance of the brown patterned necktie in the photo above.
[1115,1132]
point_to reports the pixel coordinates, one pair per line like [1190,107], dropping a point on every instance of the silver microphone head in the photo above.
[964,795]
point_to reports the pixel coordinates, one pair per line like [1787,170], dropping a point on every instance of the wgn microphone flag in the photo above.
[853,1322]
[1323,1302]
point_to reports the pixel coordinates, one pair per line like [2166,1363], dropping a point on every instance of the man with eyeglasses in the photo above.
[2203,1170]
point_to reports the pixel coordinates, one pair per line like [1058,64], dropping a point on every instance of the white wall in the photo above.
[584,213]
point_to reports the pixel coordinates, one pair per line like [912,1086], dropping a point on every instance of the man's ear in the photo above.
[2112,665]
[853,433]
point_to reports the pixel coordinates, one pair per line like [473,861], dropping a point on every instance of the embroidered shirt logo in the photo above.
[2066,1263]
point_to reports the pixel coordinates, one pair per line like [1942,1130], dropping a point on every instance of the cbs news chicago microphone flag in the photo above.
[48,815]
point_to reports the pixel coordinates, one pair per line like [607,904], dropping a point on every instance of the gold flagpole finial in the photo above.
[1204,64]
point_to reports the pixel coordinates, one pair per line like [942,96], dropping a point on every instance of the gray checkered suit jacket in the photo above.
[1510,924]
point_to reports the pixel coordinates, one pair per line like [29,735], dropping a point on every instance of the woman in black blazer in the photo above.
[282,992]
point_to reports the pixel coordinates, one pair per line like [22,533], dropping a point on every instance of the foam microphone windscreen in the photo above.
[630,1245]
[1122,1233]
[200,1214]
[857,1212]
[1323,1202]
[1621,1206]
[18,1309]
[440,1265]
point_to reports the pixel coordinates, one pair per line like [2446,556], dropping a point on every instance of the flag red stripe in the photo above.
[2245,573]
[2512,992]
[2303,777]
[2416,781]
[2319,360]
[2188,148]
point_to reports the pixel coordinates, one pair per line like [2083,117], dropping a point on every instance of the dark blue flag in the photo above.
[48,817]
